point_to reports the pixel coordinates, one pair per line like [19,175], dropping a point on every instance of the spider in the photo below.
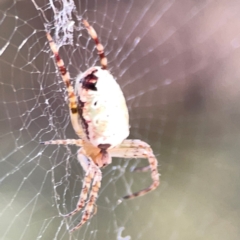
[99,116]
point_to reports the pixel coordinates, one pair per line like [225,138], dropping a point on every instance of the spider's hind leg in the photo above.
[93,175]
[139,149]
[142,169]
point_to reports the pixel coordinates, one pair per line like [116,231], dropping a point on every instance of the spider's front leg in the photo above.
[139,149]
[72,98]
[93,175]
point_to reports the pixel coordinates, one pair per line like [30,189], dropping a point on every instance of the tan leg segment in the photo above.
[90,207]
[77,142]
[139,149]
[99,46]
[72,99]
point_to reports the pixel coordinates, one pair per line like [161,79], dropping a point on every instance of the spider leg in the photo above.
[129,148]
[99,46]
[142,169]
[88,167]
[138,149]
[77,142]
[90,208]
[93,175]
[72,99]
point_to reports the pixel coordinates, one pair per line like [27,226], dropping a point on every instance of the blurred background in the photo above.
[178,65]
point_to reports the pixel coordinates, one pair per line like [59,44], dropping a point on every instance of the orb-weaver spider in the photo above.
[99,117]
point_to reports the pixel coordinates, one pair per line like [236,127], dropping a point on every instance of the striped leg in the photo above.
[138,149]
[93,174]
[99,46]
[72,99]
[89,167]
[77,142]
[90,208]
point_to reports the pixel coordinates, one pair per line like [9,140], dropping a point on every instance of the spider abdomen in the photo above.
[102,108]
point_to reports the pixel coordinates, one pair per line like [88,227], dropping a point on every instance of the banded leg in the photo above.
[77,142]
[89,168]
[83,195]
[90,208]
[127,149]
[72,99]
[99,46]
[138,149]
[93,175]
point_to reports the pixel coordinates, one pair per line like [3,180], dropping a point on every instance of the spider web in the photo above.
[178,65]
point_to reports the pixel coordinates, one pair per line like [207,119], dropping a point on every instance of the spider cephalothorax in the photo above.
[99,116]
